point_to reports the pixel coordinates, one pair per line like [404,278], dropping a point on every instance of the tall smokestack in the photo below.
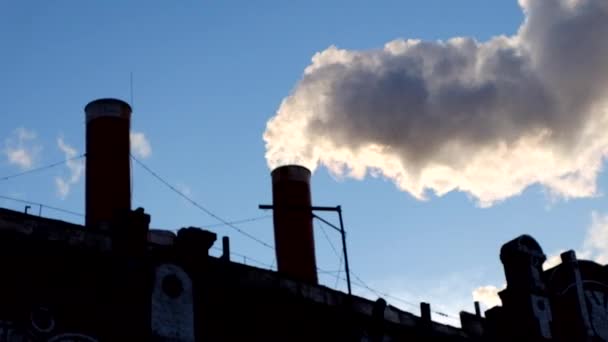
[108,171]
[293,230]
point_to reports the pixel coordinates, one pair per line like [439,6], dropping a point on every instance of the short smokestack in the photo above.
[293,229]
[108,170]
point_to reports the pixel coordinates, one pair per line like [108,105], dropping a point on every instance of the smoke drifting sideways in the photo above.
[485,118]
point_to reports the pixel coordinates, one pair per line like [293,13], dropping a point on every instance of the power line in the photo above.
[245,257]
[358,282]
[362,283]
[388,295]
[329,272]
[367,287]
[231,224]
[42,205]
[333,247]
[224,222]
[339,271]
[247,220]
[329,241]
[199,206]
[42,168]
[270,267]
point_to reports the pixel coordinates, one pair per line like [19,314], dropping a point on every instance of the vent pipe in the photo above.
[108,170]
[293,229]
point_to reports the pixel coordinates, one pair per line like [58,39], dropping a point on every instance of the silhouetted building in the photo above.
[116,279]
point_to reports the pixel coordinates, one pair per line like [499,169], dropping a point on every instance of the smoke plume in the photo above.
[75,166]
[486,118]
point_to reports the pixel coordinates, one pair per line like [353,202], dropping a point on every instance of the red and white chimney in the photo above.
[108,170]
[293,228]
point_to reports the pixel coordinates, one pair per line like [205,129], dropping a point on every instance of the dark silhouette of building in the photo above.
[115,279]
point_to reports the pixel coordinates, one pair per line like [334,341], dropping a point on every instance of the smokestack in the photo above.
[293,230]
[108,171]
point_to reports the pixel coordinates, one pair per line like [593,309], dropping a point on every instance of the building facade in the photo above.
[115,279]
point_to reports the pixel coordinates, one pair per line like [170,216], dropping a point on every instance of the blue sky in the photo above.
[208,75]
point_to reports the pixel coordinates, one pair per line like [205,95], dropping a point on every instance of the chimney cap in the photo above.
[291,172]
[107,107]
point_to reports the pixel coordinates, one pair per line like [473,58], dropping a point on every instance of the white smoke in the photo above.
[74,165]
[487,118]
[140,145]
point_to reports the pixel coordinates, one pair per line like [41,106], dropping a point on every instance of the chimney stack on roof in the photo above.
[293,228]
[108,170]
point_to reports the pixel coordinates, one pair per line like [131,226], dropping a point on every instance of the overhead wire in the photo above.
[335,250]
[333,247]
[222,221]
[42,168]
[339,271]
[388,295]
[336,273]
[328,271]
[362,284]
[199,206]
[245,257]
[231,225]
[42,205]
[241,221]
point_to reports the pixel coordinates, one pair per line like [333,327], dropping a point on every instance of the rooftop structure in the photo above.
[116,279]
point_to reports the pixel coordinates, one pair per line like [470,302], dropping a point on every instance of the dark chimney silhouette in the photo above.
[293,229]
[108,170]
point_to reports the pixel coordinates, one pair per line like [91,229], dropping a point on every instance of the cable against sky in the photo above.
[199,206]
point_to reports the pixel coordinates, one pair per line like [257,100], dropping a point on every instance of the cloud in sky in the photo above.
[75,167]
[486,118]
[21,148]
[487,295]
[595,245]
[553,260]
[140,145]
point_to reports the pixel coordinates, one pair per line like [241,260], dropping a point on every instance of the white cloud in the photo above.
[75,167]
[21,149]
[487,295]
[485,118]
[63,188]
[140,145]
[553,260]
[595,245]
